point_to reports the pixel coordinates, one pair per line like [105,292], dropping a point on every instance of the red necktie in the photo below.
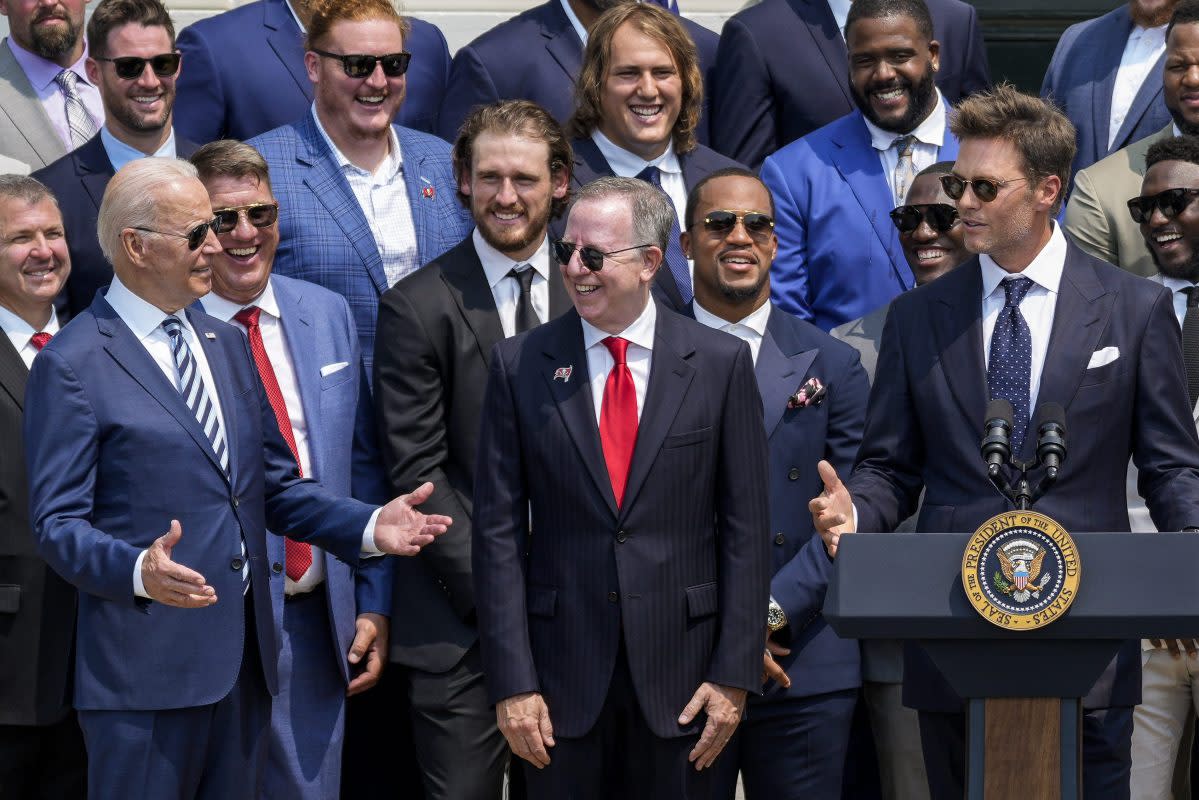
[39,340]
[299,554]
[618,417]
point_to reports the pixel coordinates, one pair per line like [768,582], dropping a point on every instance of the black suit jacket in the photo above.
[437,328]
[679,572]
[928,406]
[78,181]
[37,608]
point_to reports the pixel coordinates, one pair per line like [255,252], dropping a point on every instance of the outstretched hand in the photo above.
[170,583]
[402,530]
[832,509]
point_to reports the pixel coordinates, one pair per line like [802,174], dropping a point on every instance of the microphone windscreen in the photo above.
[1000,409]
[1051,412]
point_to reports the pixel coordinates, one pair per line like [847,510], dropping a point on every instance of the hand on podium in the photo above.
[832,509]
[1176,646]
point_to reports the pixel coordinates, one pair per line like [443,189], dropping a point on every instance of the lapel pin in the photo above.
[563,373]
[428,192]
[209,335]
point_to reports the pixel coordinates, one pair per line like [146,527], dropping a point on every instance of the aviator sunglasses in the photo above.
[195,237]
[361,66]
[985,189]
[592,259]
[131,67]
[260,215]
[758,225]
[1171,203]
[941,217]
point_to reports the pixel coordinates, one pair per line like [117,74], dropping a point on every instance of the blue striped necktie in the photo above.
[191,386]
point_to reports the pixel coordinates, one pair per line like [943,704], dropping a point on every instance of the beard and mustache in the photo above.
[54,42]
[921,95]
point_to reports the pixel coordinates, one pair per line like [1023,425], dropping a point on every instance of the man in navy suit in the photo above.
[793,742]
[620,549]
[839,255]
[304,345]
[1033,320]
[1106,75]
[143,417]
[245,72]
[138,123]
[782,71]
[536,56]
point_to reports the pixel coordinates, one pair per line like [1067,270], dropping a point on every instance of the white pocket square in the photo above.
[1103,357]
[329,369]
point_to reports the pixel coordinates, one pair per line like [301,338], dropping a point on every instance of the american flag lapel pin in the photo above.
[563,373]
[209,335]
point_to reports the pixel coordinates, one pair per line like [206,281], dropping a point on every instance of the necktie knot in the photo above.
[39,340]
[651,174]
[248,317]
[904,145]
[523,273]
[1015,289]
[66,79]
[173,327]
[1192,293]
[618,347]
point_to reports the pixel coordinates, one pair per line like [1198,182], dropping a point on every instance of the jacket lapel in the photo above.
[20,102]
[562,42]
[821,25]
[302,346]
[463,275]
[94,169]
[218,365]
[958,336]
[560,301]
[589,162]
[13,372]
[1104,79]
[1146,97]
[287,42]
[782,365]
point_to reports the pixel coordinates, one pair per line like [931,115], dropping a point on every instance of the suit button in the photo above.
[779,538]
[793,474]
[612,597]
[621,536]
[235,501]
[276,568]
[236,564]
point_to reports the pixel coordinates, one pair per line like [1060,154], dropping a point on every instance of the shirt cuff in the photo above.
[139,588]
[369,550]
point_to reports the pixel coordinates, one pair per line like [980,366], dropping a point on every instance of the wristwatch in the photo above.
[776,618]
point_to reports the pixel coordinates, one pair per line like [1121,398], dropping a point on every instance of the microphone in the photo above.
[997,443]
[1051,438]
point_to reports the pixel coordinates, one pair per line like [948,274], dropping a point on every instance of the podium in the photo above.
[1023,689]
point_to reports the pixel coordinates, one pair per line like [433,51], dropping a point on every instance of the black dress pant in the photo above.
[45,762]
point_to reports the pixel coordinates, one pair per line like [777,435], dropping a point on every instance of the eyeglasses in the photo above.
[592,259]
[361,66]
[195,237]
[1171,203]
[131,67]
[985,189]
[758,225]
[260,215]
[941,217]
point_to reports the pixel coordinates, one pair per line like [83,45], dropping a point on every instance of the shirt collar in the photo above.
[20,330]
[41,72]
[755,320]
[496,265]
[1045,270]
[630,165]
[121,154]
[1174,284]
[142,316]
[640,333]
[387,170]
[574,21]
[295,16]
[840,9]
[931,131]
[225,310]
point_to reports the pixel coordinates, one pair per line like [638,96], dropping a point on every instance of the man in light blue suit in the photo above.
[1106,75]
[839,255]
[362,202]
[302,339]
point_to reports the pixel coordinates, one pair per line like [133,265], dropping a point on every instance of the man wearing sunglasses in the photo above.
[621,591]
[839,255]
[1032,320]
[134,64]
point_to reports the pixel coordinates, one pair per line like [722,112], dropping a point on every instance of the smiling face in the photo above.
[241,271]
[642,93]
[891,70]
[53,30]
[164,272]
[357,109]
[1180,78]
[929,252]
[142,106]
[34,262]
[1173,243]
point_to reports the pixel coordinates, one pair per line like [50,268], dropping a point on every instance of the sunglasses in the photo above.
[361,66]
[758,225]
[1171,203]
[260,215]
[941,217]
[195,237]
[131,67]
[592,259]
[985,189]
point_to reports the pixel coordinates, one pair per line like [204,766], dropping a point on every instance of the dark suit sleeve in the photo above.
[501,531]
[200,106]
[977,74]
[469,85]
[743,119]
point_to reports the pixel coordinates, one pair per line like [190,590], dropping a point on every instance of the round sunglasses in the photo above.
[985,189]
[361,66]
[1171,203]
[131,67]
[592,259]
[941,217]
[260,215]
[759,226]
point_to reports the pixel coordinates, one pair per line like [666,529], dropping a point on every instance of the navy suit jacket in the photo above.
[839,256]
[928,406]
[78,181]
[536,56]
[1081,77]
[782,71]
[243,74]
[114,454]
[680,570]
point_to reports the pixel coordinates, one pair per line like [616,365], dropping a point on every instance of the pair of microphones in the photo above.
[1050,425]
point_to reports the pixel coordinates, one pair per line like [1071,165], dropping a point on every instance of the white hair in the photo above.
[132,197]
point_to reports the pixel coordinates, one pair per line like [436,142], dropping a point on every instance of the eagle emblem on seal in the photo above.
[1020,566]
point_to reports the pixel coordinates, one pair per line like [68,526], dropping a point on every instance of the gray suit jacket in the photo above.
[26,133]
[1097,216]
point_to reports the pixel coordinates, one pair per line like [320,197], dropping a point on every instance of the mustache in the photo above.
[895,83]
[57,12]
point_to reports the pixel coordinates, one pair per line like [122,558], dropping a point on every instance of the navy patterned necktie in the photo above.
[195,395]
[1009,365]
[676,262]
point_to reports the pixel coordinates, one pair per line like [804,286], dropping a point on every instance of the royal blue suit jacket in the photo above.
[679,570]
[929,402]
[782,71]
[78,181]
[243,74]
[342,448]
[324,235]
[114,454]
[536,56]
[839,256]
[1080,80]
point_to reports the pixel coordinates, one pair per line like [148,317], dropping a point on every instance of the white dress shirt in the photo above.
[749,329]
[19,333]
[1142,50]
[383,197]
[840,9]
[575,22]
[930,134]
[121,154]
[506,289]
[638,356]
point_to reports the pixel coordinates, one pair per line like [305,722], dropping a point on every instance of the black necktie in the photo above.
[676,262]
[1190,342]
[526,317]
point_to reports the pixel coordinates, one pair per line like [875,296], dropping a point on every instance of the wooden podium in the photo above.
[1023,689]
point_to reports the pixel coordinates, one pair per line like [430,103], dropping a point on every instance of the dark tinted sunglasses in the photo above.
[260,215]
[361,66]
[1171,203]
[758,225]
[941,217]
[985,189]
[195,237]
[131,67]
[592,259]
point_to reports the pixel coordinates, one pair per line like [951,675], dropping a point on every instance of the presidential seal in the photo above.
[1021,570]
